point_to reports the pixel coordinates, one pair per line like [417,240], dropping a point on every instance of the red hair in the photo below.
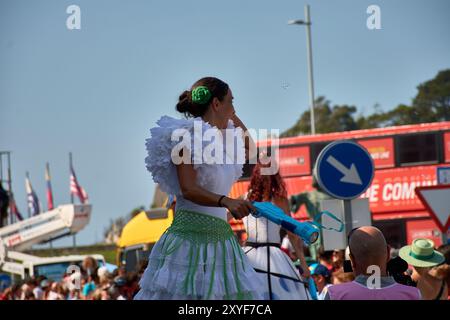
[266,187]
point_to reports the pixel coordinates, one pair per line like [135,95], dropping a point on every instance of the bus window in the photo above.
[315,151]
[131,258]
[134,256]
[393,230]
[52,271]
[417,148]
[381,150]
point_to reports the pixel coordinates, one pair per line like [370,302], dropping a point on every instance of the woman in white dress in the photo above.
[275,268]
[198,257]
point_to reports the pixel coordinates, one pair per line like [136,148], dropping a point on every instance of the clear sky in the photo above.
[98,90]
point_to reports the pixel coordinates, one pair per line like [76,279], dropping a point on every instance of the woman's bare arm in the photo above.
[195,193]
[248,140]
[296,241]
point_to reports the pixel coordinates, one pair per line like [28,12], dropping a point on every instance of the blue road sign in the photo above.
[344,169]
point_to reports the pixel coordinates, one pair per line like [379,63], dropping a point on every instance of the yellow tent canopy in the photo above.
[146,227]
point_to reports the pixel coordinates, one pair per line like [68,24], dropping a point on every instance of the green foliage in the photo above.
[431,104]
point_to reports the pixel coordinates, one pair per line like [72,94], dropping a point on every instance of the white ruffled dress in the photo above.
[198,257]
[281,278]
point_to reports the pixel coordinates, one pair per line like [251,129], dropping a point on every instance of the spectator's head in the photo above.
[105,295]
[264,187]
[443,271]
[75,294]
[16,290]
[421,255]
[103,276]
[29,295]
[368,247]
[31,283]
[120,281]
[45,285]
[445,250]
[338,258]
[340,276]
[122,272]
[89,265]
[97,295]
[54,286]
[325,257]
[102,272]
[113,292]
[321,275]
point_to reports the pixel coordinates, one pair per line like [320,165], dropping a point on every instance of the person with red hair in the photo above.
[274,267]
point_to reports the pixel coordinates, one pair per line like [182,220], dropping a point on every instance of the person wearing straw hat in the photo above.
[422,256]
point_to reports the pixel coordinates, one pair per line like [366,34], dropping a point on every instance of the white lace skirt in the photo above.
[199,257]
[281,278]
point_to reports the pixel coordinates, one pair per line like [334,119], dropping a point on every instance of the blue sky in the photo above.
[98,90]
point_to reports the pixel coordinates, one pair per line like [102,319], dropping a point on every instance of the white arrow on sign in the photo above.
[350,175]
[437,201]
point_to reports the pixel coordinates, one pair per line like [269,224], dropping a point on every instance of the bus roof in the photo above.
[366,133]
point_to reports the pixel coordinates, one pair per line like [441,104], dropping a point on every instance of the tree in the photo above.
[432,102]
[327,119]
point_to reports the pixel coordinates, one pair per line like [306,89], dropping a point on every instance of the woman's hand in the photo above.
[306,272]
[238,208]
[250,146]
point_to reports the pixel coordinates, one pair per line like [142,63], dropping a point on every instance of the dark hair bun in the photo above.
[184,104]
[217,88]
[190,109]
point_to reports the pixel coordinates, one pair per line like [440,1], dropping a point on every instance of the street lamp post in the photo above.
[307,23]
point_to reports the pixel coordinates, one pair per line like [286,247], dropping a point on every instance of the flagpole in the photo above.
[48,182]
[27,175]
[71,196]
[1,183]
[47,167]
[10,182]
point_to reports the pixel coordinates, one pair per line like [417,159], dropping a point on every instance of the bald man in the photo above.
[369,254]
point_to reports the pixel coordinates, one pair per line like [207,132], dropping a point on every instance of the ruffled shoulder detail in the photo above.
[159,147]
[168,138]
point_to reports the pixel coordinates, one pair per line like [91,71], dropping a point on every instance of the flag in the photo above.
[49,188]
[13,208]
[33,201]
[76,189]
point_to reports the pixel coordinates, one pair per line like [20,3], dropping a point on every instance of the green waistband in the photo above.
[200,227]
[201,230]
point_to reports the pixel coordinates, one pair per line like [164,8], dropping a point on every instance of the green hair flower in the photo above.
[200,95]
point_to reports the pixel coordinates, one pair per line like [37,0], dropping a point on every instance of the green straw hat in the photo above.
[421,253]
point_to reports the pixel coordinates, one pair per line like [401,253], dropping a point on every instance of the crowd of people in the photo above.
[96,283]
[430,282]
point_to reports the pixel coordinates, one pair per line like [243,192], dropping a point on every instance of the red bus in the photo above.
[404,156]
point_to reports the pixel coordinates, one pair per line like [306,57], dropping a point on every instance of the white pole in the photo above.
[310,68]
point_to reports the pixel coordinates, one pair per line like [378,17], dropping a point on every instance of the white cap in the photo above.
[102,271]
